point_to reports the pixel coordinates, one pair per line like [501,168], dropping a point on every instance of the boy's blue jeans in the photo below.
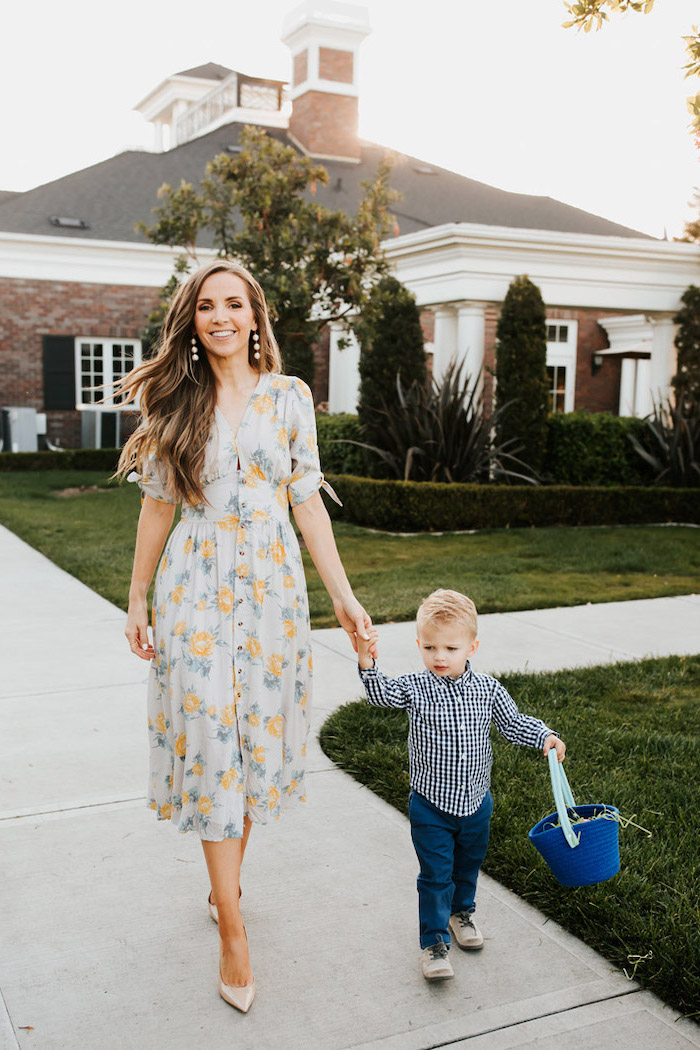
[450,851]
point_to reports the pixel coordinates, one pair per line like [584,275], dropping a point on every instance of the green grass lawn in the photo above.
[91,535]
[633,738]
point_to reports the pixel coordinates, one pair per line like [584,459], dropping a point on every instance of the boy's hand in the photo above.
[367,650]
[558,745]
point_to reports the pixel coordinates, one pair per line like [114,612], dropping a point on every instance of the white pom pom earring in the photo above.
[256,344]
[195,348]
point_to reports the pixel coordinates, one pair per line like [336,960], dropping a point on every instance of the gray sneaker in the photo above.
[465,931]
[436,965]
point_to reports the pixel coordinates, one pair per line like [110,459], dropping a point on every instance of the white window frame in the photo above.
[108,344]
[563,355]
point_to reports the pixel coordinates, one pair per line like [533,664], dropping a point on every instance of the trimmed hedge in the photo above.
[412,506]
[586,448]
[72,459]
[341,458]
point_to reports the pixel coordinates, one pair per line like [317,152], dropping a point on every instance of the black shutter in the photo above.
[59,371]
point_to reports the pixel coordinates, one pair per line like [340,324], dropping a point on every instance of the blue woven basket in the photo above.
[587,855]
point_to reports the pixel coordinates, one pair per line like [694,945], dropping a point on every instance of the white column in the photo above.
[343,370]
[628,380]
[158,136]
[471,319]
[663,358]
[445,345]
[643,403]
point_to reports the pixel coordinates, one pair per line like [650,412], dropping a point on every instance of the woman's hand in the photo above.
[558,745]
[353,619]
[136,629]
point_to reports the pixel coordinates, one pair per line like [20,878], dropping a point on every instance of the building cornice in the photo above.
[79,259]
[468,261]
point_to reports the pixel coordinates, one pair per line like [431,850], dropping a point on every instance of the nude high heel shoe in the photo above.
[240,996]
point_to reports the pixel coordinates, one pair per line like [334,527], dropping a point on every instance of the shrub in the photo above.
[335,434]
[72,459]
[410,506]
[439,433]
[594,449]
[686,381]
[521,371]
[391,343]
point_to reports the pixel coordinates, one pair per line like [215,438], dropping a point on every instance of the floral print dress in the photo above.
[229,692]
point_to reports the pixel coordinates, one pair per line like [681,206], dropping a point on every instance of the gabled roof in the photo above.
[209,71]
[110,197]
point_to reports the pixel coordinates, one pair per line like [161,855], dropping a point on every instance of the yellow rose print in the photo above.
[262,553]
[259,590]
[202,643]
[280,383]
[254,647]
[229,778]
[275,663]
[229,523]
[191,703]
[179,627]
[166,811]
[160,722]
[278,552]
[225,599]
[302,702]
[211,710]
[201,605]
[197,769]
[187,549]
[273,797]
[181,745]
[240,534]
[153,805]
[293,785]
[205,805]
[288,581]
[289,629]
[242,571]
[164,564]
[228,715]
[262,405]
[253,720]
[281,493]
[274,726]
[283,437]
[185,798]
[260,515]
[177,594]
[252,801]
[253,476]
[150,723]
[207,548]
[169,781]
[259,754]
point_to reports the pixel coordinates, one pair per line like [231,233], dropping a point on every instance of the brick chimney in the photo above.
[324,37]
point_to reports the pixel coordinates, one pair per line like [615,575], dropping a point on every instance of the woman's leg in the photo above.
[224,866]
[247,825]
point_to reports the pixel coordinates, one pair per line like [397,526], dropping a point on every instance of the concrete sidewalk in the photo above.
[106,939]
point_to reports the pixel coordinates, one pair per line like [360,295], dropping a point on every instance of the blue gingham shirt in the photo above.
[449,746]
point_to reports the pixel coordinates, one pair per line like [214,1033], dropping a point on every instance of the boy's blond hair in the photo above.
[444,606]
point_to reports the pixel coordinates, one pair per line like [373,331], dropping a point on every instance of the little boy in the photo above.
[450,710]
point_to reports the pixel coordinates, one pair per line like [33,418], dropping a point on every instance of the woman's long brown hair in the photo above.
[177,394]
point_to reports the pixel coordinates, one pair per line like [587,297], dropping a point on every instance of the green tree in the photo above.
[585,14]
[391,343]
[257,207]
[521,372]
[686,381]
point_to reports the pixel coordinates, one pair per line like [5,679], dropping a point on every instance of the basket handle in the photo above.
[562,797]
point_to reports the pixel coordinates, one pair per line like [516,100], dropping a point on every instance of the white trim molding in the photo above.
[467,261]
[79,259]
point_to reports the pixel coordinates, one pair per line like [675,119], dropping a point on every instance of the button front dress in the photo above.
[229,691]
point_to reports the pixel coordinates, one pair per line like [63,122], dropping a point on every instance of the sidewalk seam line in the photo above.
[4,1010]
[70,809]
[536,1017]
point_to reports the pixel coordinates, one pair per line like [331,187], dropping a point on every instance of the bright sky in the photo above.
[493,89]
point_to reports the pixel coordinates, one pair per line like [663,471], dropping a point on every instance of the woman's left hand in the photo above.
[353,619]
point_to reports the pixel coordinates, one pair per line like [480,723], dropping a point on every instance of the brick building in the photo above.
[77,280]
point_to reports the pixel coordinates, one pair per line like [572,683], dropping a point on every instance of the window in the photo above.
[557,388]
[101,363]
[562,337]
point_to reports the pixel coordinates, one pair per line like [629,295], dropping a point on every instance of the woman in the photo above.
[230,680]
